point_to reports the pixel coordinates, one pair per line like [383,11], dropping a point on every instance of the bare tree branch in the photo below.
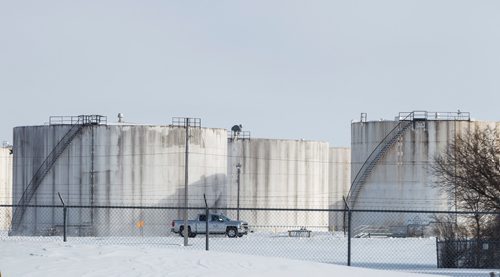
[469,170]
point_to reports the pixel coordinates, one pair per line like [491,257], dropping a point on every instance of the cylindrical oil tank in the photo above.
[401,178]
[339,179]
[118,165]
[278,173]
[5,187]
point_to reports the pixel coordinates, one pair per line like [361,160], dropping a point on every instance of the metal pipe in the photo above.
[238,167]
[206,223]
[349,234]
[92,169]
[65,213]
[186,182]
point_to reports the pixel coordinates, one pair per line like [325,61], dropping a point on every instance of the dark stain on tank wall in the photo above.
[175,137]
[268,170]
[195,136]
[214,199]
[163,140]
[252,154]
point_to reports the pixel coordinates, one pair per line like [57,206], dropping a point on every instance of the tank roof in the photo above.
[419,115]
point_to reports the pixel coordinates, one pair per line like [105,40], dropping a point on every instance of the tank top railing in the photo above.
[78,119]
[425,115]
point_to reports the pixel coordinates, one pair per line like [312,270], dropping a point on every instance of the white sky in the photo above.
[283,69]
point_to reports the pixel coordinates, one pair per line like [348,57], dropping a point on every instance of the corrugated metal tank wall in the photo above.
[402,178]
[280,174]
[131,165]
[5,188]
[339,183]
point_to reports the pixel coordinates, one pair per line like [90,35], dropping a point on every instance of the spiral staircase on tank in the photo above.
[377,154]
[77,123]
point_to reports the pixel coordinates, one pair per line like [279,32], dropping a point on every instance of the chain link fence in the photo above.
[410,241]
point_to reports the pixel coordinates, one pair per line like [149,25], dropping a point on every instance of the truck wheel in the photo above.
[190,235]
[232,232]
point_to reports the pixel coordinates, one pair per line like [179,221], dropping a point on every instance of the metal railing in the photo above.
[241,135]
[425,115]
[78,119]
[192,122]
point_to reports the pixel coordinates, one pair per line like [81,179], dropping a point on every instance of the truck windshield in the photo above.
[224,218]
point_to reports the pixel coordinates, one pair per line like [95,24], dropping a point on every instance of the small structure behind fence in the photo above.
[468,254]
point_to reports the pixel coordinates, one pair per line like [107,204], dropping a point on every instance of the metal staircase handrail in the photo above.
[43,170]
[374,156]
[242,135]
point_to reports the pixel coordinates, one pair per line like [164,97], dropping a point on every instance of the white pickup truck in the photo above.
[217,224]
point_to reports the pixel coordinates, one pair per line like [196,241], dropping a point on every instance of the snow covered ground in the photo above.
[254,255]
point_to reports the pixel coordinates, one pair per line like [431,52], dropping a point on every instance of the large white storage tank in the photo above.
[119,165]
[5,187]
[278,173]
[339,180]
[391,163]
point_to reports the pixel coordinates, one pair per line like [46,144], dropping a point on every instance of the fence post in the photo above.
[65,214]
[206,223]
[349,234]
[437,252]
[349,231]
[65,211]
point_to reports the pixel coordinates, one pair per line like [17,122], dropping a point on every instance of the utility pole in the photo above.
[186,122]
[186,182]
[238,167]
